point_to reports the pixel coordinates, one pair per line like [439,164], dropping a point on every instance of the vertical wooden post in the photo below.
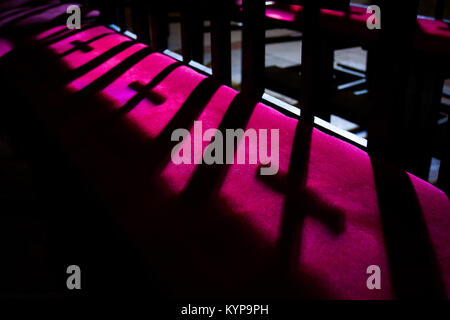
[392,72]
[159,25]
[444,172]
[141,23]
[107,12]
[192,31]
[253,48]
[120,14]
[439,9]
[311,62]
[221,41]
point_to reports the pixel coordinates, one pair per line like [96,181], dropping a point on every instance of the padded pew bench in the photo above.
[310,231]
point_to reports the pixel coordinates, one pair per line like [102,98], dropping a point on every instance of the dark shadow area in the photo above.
[63,34]
[32,12]
[62,224]
[299,203]
[413,264]
[223,252]
[13,12]
[65,224]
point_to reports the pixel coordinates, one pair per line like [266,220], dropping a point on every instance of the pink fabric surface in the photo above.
[214,231]
[5,47]
[433,36]
[287,14]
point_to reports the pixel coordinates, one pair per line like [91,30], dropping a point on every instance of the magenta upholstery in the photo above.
[218,231]
[433,36]
[283,13]
[5,47]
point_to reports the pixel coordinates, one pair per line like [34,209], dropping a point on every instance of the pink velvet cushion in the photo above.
[433,36]
[5,47]
[218,231]
[284,13]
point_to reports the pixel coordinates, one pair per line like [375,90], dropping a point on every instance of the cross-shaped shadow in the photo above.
[95,62]
[299,203]
[84,46]
[145,92]
[199,206]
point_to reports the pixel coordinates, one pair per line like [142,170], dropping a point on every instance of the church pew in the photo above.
[310,231]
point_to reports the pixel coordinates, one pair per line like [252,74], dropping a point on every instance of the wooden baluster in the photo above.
[192,31]
[107,11]
[393,61]
[253,48]
[221,41]
[311,62]
[439,9]
[120,14]
[159,25]
[141,23]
